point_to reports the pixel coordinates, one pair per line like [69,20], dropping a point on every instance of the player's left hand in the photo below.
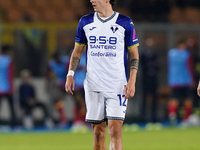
[198,89]
[129,90]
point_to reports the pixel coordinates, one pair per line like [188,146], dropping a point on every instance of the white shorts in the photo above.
[102,106]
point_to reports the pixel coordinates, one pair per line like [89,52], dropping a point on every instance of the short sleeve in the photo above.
[130,35]
[80,34]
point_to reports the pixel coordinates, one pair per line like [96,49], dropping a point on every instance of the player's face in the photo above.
[98,5]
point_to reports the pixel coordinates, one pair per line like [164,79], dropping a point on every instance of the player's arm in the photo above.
[134,62]
[198,89]
[74,62]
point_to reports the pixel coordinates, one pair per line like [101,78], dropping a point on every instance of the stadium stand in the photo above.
[72,10]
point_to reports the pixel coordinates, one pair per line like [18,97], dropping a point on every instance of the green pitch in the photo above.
[166,139]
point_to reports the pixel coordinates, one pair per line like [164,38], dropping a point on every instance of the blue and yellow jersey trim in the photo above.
[135,45]
[80,44]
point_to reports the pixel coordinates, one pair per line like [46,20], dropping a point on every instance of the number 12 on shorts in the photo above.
[122,100]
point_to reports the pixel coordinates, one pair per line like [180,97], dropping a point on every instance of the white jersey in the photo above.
[107,43]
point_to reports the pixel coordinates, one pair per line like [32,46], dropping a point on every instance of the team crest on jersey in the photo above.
[114,28]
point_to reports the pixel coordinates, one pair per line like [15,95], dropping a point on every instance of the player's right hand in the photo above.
[198,89]
[129,90]
[69,85]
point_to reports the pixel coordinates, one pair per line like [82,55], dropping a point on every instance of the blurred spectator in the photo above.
[180,78]
[28,101]
[80,108]
[148,60]
[56,76]
[7,79]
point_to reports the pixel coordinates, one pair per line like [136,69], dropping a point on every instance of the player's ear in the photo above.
[107,1]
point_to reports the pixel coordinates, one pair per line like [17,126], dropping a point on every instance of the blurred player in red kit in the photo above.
[7,79]
[180,78]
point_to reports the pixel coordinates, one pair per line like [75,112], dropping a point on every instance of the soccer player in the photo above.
[198,89]
[7,80]
[108,36]
[180,78]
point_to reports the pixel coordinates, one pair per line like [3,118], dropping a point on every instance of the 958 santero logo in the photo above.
[102,42]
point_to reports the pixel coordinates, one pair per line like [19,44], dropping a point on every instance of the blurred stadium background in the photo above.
[36,29]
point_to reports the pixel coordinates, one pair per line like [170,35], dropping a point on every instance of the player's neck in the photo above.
[107,12]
